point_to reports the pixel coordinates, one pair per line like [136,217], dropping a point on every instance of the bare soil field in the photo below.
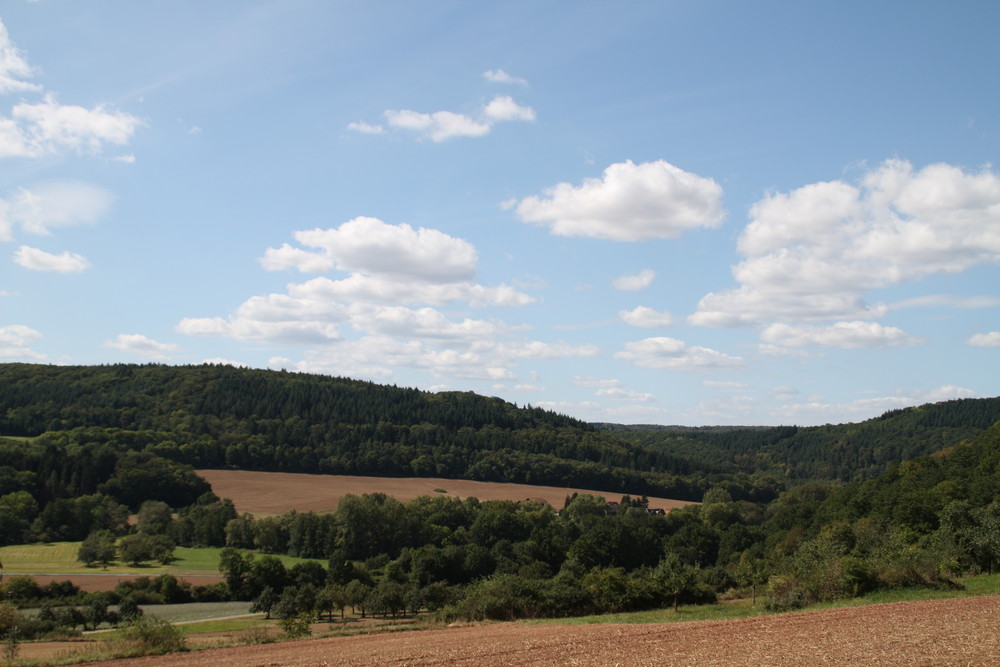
[279,492]
[962,631]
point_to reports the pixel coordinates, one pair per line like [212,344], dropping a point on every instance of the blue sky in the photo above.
[675,212]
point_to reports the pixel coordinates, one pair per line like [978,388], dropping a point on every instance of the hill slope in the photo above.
[219,416]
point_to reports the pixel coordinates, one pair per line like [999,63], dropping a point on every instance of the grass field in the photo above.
[60,558]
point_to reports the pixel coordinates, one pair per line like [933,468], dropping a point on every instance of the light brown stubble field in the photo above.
[279,492]
[962,631]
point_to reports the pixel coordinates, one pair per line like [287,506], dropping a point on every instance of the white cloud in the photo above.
[261,331]
[13,67]
[54,204]
[539,350]
[670,353]
[35,130]
[141,345]
[39,260]
[439,126]
[724,384]
[585,381]
[991,339]
[15,342]
[287,257]
[380,289]
[842,334]
[443,125]
[366,128]
[642,316]
[425,323]
[503,108]
[948,301]
[500,76]
[652,200]
[814,253]
[619,394]
[815,410]
[635,282]
[371,246]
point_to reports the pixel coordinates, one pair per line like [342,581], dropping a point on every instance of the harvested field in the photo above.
[279,492]
[963,631]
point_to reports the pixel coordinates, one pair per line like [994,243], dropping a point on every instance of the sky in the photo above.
[683,212]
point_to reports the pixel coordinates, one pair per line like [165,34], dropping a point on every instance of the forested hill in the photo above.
[221,416]
[842,452]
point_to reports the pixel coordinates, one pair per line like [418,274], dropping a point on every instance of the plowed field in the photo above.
[279,492]
[941,632]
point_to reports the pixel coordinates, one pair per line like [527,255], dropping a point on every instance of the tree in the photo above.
[98,547]
[675,578]
[154,517]
[134,549]
[235,567]
[265,602]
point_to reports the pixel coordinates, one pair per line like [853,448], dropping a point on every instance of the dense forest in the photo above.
[843,452]
[804,514]
[219,416]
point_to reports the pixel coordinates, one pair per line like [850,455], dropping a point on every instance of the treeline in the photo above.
[57,489]
[220,416]
[844,452]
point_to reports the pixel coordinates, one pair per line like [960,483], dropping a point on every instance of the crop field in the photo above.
[278,492]
[961,631]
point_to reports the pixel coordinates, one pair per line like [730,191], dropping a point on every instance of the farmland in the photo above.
[278,492]
[937,632]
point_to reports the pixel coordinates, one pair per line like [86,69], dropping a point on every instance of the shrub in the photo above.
[297,626]
[152,636]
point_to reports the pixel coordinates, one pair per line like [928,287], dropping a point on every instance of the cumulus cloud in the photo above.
[39,260]
[440,126]
[856,334]
[630,202]
[670,353]
[635,282]
[397,273]
[642,316]
[47,206]
[137,344]
[814,253]
[991,339]
[16,341]
[500,76]
[504,108]
[371,246]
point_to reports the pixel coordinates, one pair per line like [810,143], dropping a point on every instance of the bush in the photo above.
[298,626]
[784,593]
[152,636]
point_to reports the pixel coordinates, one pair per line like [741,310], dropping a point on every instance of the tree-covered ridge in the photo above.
[843,452]
[220,416]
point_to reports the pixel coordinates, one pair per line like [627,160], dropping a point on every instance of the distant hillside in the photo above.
[842,452]
[216,416]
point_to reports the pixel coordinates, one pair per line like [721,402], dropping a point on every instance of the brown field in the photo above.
[279,492]
[962,631]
